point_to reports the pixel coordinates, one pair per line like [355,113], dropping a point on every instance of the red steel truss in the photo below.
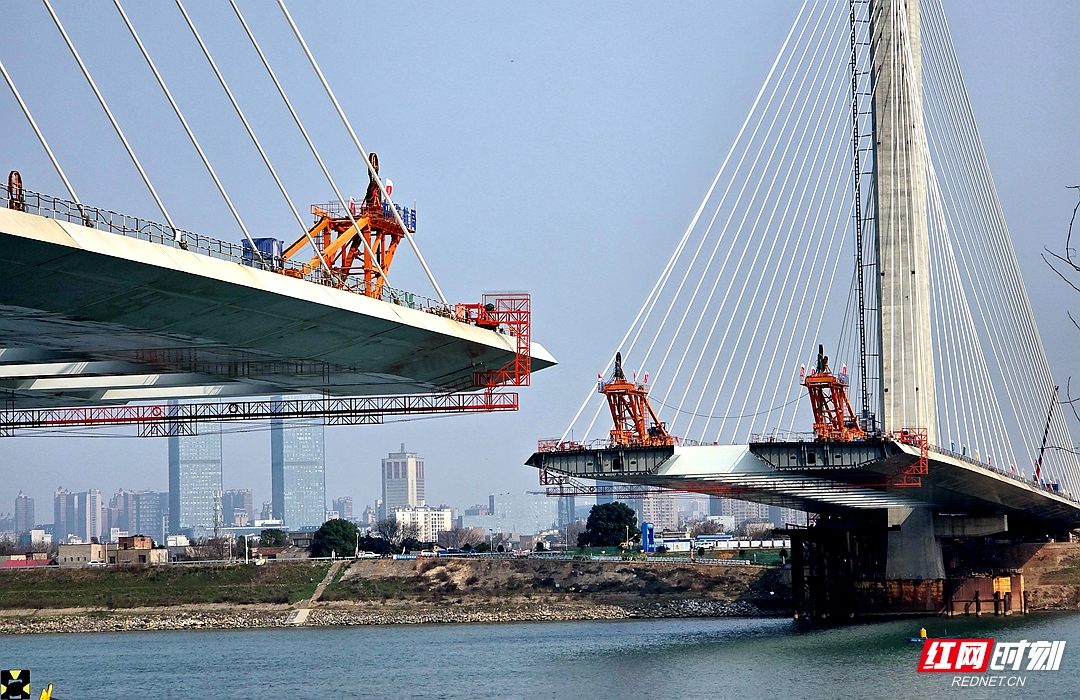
[912,474]
[513,312]
[183,418]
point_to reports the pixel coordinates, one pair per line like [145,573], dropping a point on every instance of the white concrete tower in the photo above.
[907,361]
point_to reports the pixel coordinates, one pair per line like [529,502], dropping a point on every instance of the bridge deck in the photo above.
[89,316]
[952,485]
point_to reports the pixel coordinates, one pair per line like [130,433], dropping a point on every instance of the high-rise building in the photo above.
[267,512]
[138,513]
[567,511]
[660,509]
[237,507]
[94,514]
[195,482]
[783,517]
[402,481]
[78,516]
[740,510]
[116,513]
[24,513]
[298,485]
[343,506]
[63,513]
[149,515]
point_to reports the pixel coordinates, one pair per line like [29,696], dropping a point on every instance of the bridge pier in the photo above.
[914,551]
[879,562]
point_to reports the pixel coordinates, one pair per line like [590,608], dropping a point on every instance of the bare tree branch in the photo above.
[1068,238]
[1058,273]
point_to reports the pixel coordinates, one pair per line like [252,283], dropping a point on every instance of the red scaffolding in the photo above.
[183,418]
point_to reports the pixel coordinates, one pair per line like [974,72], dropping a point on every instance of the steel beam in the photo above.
[183,419]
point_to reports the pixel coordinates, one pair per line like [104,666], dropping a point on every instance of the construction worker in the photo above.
[373,198]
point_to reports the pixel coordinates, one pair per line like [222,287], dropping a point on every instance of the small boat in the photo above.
[922,637]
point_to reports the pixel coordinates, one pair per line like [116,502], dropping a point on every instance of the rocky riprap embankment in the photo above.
[695,608]
[539,612]
[96,622]
[329,617]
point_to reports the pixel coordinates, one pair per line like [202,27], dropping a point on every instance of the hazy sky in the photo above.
[556,148]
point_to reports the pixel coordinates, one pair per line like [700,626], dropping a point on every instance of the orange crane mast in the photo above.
[636,424]
[834,420]
[354,253]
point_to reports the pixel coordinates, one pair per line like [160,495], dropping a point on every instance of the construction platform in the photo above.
[817,476]
[96,317]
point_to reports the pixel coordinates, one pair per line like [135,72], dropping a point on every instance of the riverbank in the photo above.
[382,592]
[431,591]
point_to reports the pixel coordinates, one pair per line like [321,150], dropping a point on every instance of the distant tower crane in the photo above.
[636,424]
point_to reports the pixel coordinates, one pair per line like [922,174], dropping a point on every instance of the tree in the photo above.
[397,533]
[272,538]
[609,524]
[335,537]
[705,527]
[456,537]
[1066,266]
[376,545]
[388,529]
[571,532]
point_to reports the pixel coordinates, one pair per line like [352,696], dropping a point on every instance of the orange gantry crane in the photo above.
[636,424]
[357,240]
[834,419]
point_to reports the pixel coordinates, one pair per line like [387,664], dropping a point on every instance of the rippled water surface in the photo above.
[656,659]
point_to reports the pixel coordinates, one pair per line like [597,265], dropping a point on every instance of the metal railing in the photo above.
[999,470]
[783,436]
[336,209]
[786,436]
[134,227]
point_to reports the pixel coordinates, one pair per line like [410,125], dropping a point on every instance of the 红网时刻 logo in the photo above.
[980,655]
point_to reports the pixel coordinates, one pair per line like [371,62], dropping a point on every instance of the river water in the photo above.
[656,659]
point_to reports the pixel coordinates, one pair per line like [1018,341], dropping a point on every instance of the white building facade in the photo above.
[429,522]
[402,481]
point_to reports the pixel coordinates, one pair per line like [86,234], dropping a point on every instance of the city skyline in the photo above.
[144,512]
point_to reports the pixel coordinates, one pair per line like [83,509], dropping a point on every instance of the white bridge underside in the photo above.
[92,317]
[954,486]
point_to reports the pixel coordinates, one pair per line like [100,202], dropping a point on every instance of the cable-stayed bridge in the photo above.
[103,314]
[855,209]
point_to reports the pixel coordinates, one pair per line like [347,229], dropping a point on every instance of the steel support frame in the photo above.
[157,420]
[514,312]
[560,485]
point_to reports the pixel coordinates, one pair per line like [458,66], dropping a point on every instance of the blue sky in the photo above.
[557,148]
